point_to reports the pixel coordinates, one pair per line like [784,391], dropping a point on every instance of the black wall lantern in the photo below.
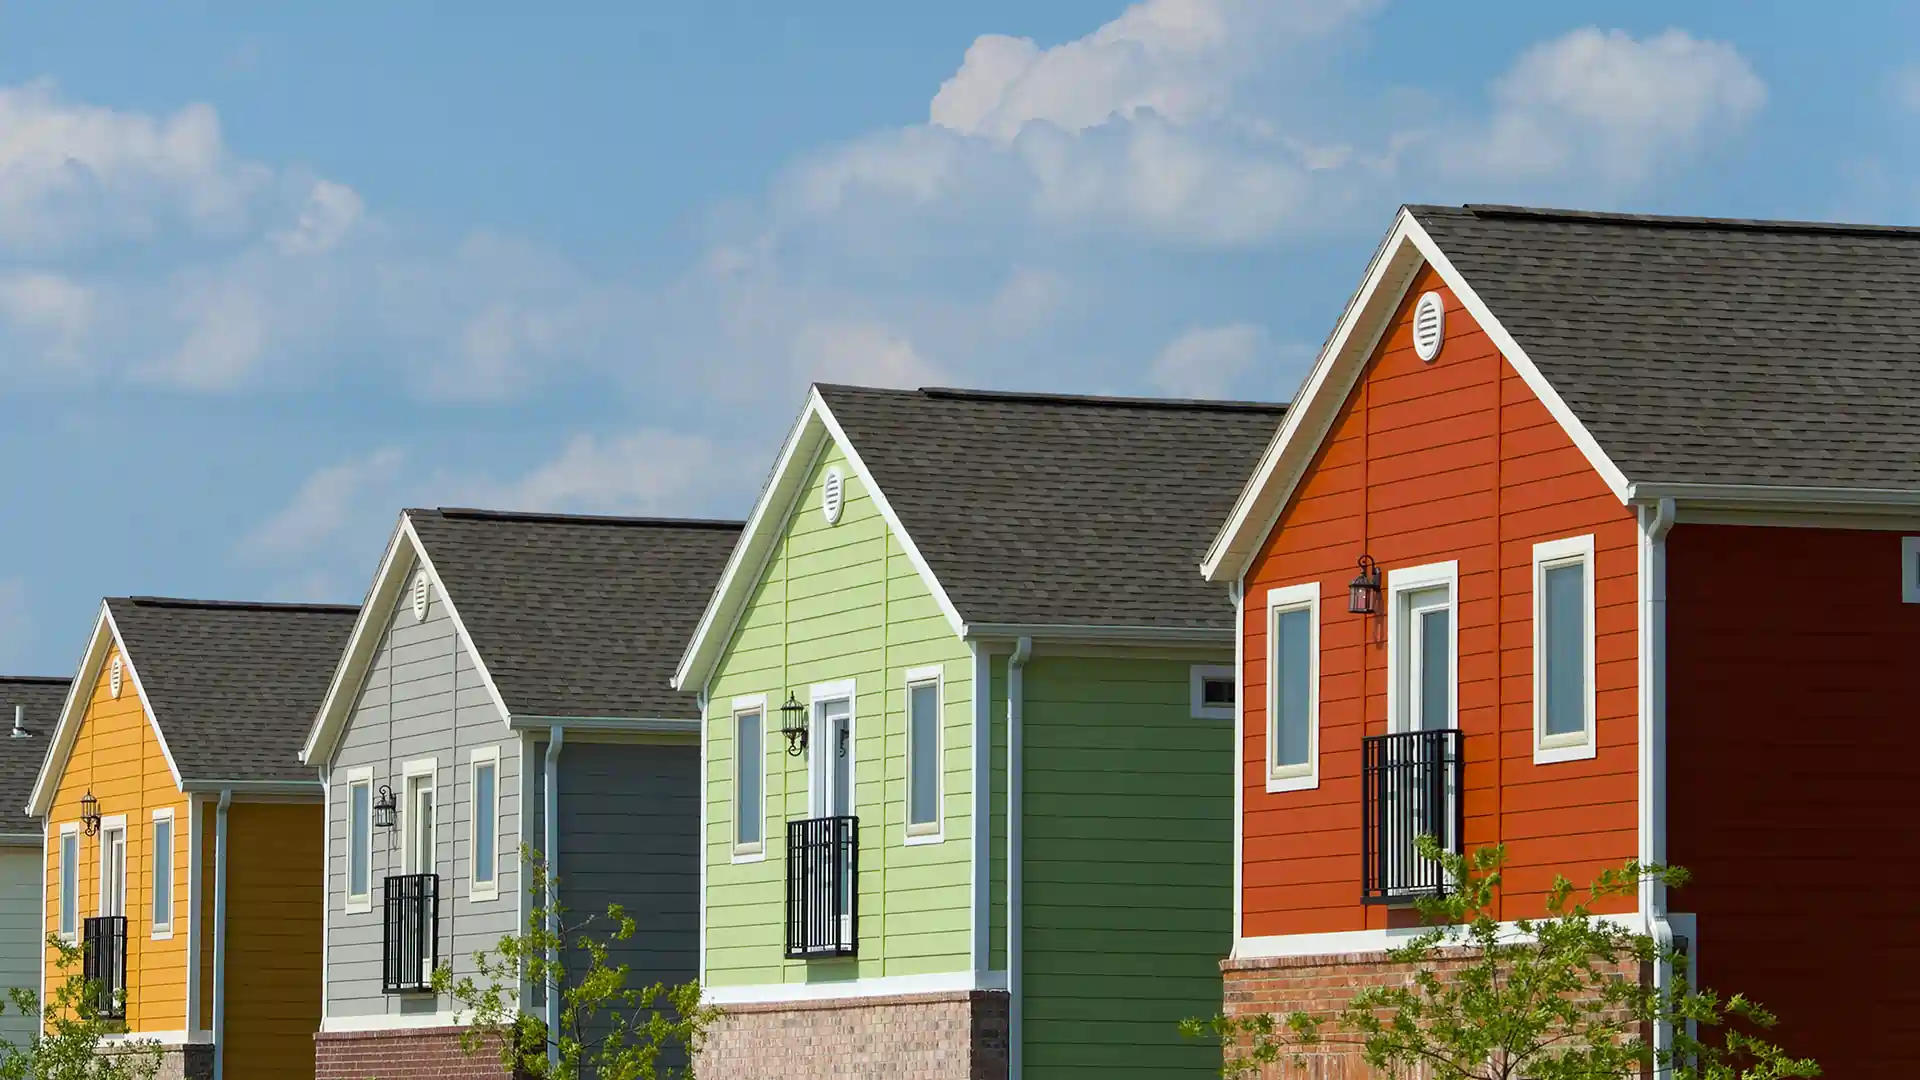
[1363,594]
[385,810]
[90,813]
[793,724]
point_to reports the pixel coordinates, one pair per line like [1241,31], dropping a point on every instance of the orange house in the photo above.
[1597,537]
[182,832]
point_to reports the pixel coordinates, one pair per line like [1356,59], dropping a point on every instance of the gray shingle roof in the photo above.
[579,616]
[1712,351]
[234,685]
[41,699]
[1039,509]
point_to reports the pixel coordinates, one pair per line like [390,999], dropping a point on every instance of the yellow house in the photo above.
[182,833]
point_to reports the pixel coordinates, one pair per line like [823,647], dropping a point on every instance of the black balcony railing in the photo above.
[412,933]
[1410,787]
[103,964]
[823,897]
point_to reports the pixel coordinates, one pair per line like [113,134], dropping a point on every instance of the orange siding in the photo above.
[274,898]
[1429,462]
[117,756]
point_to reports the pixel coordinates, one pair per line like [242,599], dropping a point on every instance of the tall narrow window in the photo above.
[70,882]
[923,753]
[1424,626]
[360,842]
[422,821]
[113,867]
[485,810]
[1293,687]
[163,874]
[1563,690]
[749,780]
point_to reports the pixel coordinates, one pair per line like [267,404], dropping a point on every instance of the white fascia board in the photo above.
[1764,496]
[105,637]
[1199,636]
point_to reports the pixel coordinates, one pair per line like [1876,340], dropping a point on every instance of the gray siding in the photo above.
[423,699]
[20,934]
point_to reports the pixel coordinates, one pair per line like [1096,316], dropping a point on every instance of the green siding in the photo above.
[842,602]
[1127,866]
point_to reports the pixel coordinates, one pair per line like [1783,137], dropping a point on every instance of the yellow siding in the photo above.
[274,909]
[117,756]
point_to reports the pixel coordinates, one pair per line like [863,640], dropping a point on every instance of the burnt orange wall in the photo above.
[1459,460]
[1794,781]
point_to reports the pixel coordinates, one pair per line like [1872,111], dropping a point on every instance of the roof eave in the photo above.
[1096,634]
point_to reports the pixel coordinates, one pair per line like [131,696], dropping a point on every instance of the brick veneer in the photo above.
[400,1055]
[951,1036]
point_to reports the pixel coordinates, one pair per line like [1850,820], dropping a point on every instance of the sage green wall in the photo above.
[1127,864]
[842,602]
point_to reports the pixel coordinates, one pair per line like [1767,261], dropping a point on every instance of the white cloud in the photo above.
[651,471]
[864,353]
[1607,104]
[1206,362]
[322,509]
[331,211]
[52,314]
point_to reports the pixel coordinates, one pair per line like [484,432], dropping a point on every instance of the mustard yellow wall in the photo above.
[274,910]
[117,756]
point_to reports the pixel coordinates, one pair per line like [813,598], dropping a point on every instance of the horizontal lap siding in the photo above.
[273,939]
[20,935]
[1793,781]
[1453,460]
[1127,887]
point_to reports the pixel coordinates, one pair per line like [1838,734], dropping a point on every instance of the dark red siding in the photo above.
[1793,736]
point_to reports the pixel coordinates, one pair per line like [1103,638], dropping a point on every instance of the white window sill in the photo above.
[1306,781]
[1550,754]
[162,934]
[922,839]
[483,894]
[751,855]
[358,907]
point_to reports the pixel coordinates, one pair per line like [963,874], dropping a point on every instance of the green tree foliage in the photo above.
[67,1045]
[607,1029]
[1549,999]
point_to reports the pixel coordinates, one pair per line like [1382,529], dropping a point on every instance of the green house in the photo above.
[968,736]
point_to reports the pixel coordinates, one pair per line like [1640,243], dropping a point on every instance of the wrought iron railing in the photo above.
[412,933]
[103,964]
[823,892]
[1411,786]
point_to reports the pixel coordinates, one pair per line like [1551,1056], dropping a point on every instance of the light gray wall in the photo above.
[20,934]
[423,698]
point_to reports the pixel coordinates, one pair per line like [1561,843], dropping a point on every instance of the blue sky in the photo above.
[267,277]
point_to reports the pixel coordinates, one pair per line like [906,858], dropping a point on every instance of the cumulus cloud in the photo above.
[50,312]
[1205,362]
[330,212]
[652,471]
[322,508]
[865,353]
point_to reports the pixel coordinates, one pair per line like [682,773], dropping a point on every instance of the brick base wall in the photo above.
[413,1054]
[953,1036]
[194,1061]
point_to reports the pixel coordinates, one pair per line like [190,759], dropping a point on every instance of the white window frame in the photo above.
[935,831]
[163,931]
[409,772]
[482,757]
[751,703]
[69,889]
[1197,678]
[1568,746]
[115,823]
[1282,600]
[353,902]
[1400,582]
[1910,569]
[817,771]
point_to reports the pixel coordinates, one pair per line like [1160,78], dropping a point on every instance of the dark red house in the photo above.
[1644,498]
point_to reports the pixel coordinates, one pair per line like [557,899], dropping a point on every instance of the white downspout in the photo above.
[1656,521]
[220,933]
[1016,788]
[556,738]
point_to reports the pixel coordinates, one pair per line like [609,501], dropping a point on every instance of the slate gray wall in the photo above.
[423,698]
[20,934]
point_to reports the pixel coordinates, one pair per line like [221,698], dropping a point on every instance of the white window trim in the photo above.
[71,828]
[1280,600]
[1910,569]
[476,889]
[429,768]
[1548,749]
[357,903]
[1197,677]
[1412,579]
[164,931]
[933,832]
[748,853]
[833,691]
[110,824]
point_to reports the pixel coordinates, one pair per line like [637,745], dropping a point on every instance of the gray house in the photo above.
[507,684]
[29,708]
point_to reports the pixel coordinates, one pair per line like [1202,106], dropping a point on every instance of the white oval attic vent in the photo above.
[113,677]
[1429,326]
[833,494]
[420,595]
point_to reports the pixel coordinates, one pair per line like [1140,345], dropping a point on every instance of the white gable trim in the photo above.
[1337,370]
[369,629]
[106,637]
[778,503]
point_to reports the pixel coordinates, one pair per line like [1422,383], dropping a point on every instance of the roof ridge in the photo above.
[36,678]
[1674,221]
[467,513]
[952,393]
[235,605]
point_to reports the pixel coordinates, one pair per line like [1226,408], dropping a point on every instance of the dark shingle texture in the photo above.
[1040,509]
[233,685]
[20,758]
[579,616]
[1717,352]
